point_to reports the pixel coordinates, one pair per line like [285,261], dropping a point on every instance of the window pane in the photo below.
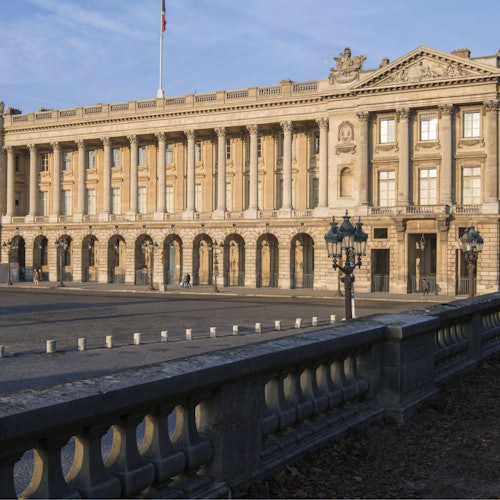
[141,200]
[471,185]
[116,201]
[387,130]
[387,188]
[169,153]
[472,124]
[428,186]
[428,127]
[115,157]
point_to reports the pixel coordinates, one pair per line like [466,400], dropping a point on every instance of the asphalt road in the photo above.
[29,317]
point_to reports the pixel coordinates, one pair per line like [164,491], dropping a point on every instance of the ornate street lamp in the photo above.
[215,254]
[62,245]
[10,246]
[351,240]
[472,246]
[148,249]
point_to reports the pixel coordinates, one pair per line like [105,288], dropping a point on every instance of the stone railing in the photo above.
[223,419]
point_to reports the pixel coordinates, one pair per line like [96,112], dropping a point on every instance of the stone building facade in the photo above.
[242,184]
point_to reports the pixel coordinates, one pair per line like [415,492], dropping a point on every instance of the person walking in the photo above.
[36,277]
[426,286]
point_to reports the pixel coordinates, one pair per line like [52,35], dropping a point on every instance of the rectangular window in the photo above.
[197,151]
[44,203]
[169,194]
[44,165]
[90,158]
[281,140]
[471,185]
[116,201]
[17,163]
[142,160]
[142,200]
[472,124]
[380,233]
[387,132]
[169,153]
[259,146]
[67,157]
[67,202]
[428,127]
[260,194]
[314,201]
[279,194]
[428,186]
[387,188]
[90,202]
[115,157]
[228,149]
[316,143]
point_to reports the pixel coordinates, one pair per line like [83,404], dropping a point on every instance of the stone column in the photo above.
[33,189]
[11,185]
[221,171]
[253,205]
[80,201]
[323,163]
[134,174]
[287,165]
[445,181]
[491,188]
[403,198]
[364,119]
[190,178]
[56,187]
[162,175]
[106,187]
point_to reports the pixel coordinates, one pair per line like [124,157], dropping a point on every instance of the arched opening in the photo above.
[234,260]
[116,259]
[143,259]
[172,260]
[302,261]
[202,260]
[267,261]
[64,247]
[89,258]
[40,256]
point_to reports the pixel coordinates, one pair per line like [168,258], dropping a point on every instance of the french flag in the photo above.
[163,16]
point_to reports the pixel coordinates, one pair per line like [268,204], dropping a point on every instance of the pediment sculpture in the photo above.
[348,67]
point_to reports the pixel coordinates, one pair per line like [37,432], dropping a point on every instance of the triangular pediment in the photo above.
[424,65]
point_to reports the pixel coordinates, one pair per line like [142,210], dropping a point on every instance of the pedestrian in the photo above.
[36,277]
[188,281]
[426,286]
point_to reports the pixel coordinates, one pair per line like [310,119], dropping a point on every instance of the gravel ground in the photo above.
[450,449]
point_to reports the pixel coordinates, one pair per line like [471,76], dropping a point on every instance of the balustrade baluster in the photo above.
[124,461]
[312,391]
[277,403]
[197,451]
[157,448]
[88,474]
[326,384]
[48,480]
[270,421]
[294,395]
[8,459]
[351,371]
[340,380]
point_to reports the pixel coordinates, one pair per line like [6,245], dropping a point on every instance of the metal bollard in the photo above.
[51,346]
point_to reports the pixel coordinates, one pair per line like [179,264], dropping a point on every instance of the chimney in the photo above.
[465,53]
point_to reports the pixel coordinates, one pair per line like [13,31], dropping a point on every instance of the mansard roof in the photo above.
[425,67]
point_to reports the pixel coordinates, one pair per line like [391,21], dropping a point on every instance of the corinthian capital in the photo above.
[322,122]
[253,129]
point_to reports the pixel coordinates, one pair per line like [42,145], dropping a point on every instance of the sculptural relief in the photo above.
[348,67]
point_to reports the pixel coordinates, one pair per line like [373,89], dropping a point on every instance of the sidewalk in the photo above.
[301,293]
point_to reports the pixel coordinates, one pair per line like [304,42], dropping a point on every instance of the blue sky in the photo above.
[68,53]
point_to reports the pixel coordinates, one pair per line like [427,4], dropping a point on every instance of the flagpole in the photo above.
[159,93]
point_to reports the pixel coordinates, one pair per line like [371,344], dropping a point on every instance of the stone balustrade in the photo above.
[220,420]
